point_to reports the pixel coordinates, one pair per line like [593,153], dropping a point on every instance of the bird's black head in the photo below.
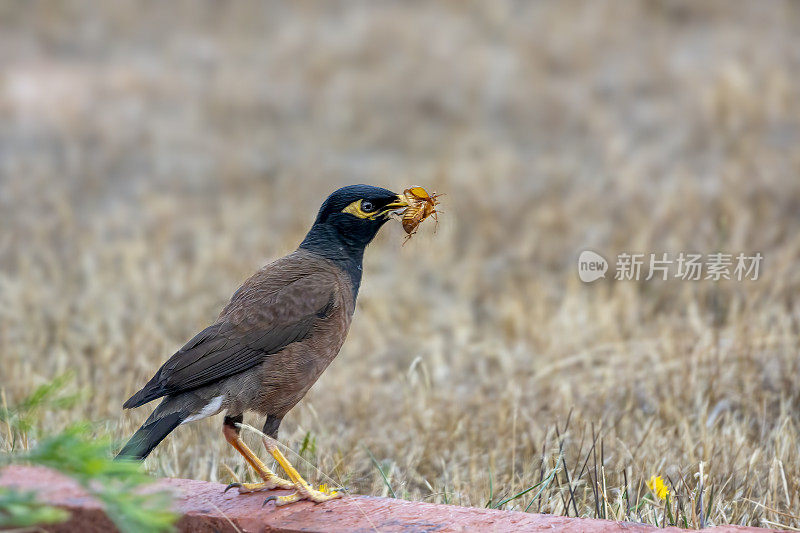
[348,220]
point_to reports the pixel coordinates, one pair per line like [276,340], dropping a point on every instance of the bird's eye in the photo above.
[367,206]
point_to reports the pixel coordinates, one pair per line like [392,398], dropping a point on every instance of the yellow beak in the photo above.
[400,202]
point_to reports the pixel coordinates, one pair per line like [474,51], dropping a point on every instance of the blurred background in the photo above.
[154,154]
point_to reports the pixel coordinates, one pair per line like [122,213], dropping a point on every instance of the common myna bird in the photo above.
[278,333]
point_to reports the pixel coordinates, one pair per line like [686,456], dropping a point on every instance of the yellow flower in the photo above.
[659,488]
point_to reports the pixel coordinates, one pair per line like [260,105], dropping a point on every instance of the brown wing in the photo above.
[269,312]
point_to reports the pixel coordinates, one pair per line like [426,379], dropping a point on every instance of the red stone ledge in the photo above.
[205,508]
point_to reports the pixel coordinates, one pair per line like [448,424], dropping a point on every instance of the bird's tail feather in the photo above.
[150,434]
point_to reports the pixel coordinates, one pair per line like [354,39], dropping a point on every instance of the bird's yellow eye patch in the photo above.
[357,209]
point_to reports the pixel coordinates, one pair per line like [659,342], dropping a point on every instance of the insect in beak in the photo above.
[421,205]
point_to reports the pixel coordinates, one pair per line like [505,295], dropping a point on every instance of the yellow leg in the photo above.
[303,491]
[269,479]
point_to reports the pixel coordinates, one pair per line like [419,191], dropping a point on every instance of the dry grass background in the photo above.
[153,155]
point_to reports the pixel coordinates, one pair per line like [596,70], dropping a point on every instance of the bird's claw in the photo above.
[305,493]
[230,486]
[271,483]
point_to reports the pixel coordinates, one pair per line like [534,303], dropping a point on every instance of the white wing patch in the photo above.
[213,407]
